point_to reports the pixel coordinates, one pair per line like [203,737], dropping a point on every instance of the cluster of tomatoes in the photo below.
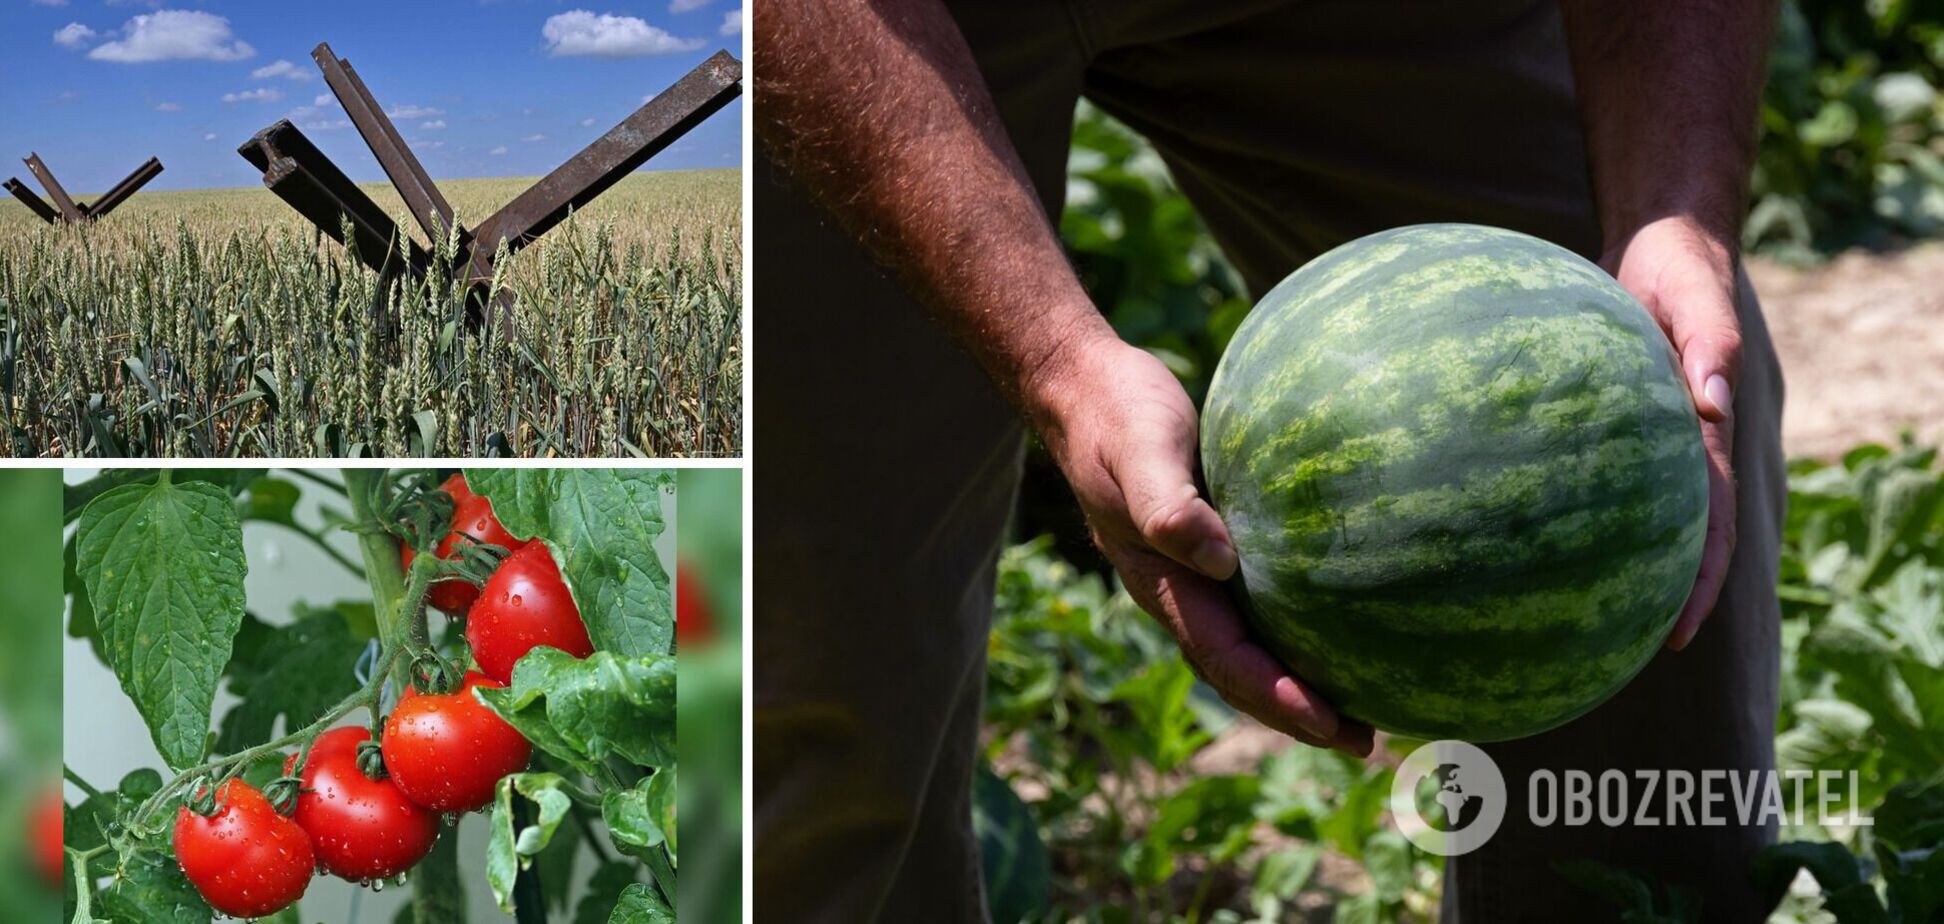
[369,811]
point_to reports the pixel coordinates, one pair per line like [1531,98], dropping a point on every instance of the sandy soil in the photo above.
[1861,340]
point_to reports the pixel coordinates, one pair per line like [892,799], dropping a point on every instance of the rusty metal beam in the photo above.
[404,169]
[73,213]
[303,177]
[125,188]
[34,203]
[653,127]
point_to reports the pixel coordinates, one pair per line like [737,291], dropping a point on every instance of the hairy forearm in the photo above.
[1669,91]
[877,108]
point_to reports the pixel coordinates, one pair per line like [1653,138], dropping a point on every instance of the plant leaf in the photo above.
[164,569]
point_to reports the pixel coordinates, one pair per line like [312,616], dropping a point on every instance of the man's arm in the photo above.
[1668,93]
[878,109]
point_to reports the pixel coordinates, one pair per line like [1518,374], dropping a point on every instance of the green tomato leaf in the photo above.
[164,568]
[661,803]
[601,525]
[81,616]
[641,904]
[76,497]
[604,891]
[582,711]
[513,846]
[643,818]
[296,671]
[152,890]
[271,500]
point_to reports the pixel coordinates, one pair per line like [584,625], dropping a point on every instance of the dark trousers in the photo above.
[888,464]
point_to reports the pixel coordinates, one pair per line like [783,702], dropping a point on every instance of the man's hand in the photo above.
[1125,435]
[1668,91]
[1686,279]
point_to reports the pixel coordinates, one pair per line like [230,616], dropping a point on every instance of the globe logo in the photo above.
[1448,798]
[1459,808]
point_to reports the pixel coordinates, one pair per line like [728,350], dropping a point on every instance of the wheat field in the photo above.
[220,323]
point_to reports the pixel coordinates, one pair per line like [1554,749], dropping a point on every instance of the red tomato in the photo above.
[472,515]
[692,620]
[524,605]
[246,860]
[45,837]
[446,753]
[361,828]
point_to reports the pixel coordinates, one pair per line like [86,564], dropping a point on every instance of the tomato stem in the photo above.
[75,778]
[368,491]
[235,763]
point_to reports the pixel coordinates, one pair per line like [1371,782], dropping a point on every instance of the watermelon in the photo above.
[1464,477]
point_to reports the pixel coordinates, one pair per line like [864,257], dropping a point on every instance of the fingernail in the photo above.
[1719,394]
[1216,559]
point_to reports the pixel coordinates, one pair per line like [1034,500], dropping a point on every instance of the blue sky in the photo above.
[479,88]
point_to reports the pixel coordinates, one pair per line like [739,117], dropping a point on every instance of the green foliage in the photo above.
[157,580]
[1906,854]
[1852,145]
[1862,585]
[583,711]
[1092,710]
[164,567]
[295,671]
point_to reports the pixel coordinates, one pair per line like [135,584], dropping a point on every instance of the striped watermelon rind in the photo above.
[1464,477]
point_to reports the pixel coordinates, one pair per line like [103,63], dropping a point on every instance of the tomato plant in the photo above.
[524,605]
[243,857]
[362,828]
[472,522]
[448,752]
[359,720]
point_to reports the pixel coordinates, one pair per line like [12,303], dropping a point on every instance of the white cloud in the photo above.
[50,2]
[732,22]
[587,123]
[314,117]
[430,145]
[649,98]
[168,107]
[280,68]
[433,125]
[533,138]
[74,35]
[173,35]
[683,6]
[258,95]
[581,32]
[497,151]
[414,112]
[211,136]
